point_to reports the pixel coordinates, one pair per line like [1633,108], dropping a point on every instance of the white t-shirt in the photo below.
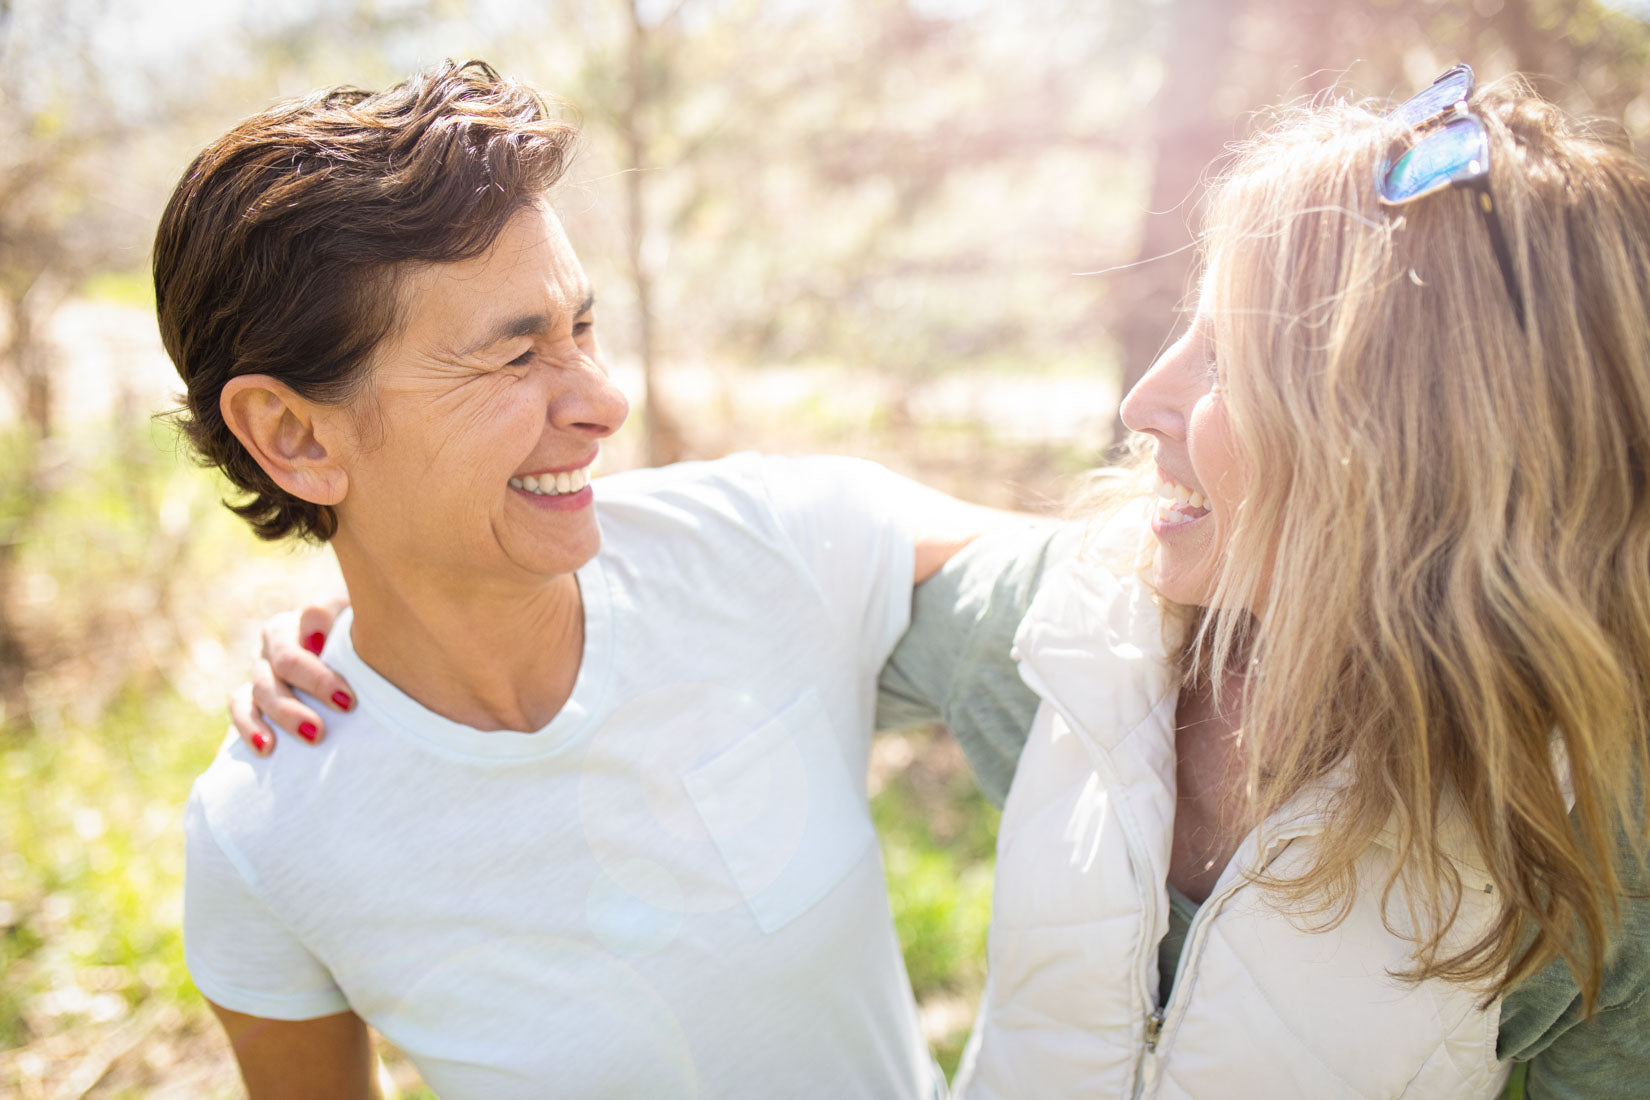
[671,890]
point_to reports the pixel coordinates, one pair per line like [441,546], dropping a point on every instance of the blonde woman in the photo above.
[1343,794]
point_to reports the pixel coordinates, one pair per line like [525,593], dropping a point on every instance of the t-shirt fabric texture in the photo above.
[672,889]
[968,672]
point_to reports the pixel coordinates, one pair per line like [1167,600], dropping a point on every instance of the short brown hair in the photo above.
[278,251]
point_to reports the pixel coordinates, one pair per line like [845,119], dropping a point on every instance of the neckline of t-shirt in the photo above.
[401,714]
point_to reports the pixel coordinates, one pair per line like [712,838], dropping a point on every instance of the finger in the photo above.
[292,654]
[315,623]
[275,700]
[243,713]
[302,671]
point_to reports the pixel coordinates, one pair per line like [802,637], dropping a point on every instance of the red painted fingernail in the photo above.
[260,743]
[308,732]
[315,643]
[343,700]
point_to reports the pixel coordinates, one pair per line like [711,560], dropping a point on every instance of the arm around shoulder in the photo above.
[955,662]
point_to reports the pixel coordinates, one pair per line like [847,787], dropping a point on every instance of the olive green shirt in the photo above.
[954,664]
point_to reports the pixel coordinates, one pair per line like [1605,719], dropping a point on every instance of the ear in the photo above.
[287,435]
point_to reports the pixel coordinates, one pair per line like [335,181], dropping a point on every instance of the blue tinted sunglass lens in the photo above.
[1451,154]
[1450,89]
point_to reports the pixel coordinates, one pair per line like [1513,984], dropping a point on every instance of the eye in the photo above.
[1211,359]
[583,328]
[522,360]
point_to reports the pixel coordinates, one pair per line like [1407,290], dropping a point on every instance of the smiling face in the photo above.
[470,451]
[1200,478]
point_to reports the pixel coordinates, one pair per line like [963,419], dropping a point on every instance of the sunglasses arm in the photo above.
[1503,254]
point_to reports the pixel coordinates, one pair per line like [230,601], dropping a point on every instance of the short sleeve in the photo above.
[955,663]
[844,517]
[239,953]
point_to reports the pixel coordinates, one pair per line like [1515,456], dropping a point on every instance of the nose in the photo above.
[589,403]
[1157,404]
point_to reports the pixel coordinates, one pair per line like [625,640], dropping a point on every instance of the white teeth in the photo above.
[547,484]
[1168,515]
[1176,503]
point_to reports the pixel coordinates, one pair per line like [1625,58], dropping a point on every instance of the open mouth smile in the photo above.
[554,484]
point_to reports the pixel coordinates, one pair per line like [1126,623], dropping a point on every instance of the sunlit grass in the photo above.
[938,844]
[92,878]
[96,859]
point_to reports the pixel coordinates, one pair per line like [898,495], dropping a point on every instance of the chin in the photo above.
[1177,587]
[575,554]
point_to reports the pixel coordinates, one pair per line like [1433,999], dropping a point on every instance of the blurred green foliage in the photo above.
[99,760]
[939,839]
[94,867]
[125,288]
[941,884]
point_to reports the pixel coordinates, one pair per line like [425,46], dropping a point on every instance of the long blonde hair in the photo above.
[1446,533]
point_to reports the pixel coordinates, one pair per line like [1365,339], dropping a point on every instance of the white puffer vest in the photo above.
[1262,1006]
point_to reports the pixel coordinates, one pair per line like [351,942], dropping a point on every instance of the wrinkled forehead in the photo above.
[530,268]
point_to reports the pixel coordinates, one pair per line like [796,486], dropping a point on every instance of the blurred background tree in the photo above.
[854,225]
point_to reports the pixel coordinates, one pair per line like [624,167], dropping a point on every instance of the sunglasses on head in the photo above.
[1450,148]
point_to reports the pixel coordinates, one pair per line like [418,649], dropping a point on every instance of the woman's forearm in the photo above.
[329,1058]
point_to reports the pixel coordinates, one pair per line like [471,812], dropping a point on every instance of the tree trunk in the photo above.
[27,359]
[664,437]
[20,489]
[1186,134]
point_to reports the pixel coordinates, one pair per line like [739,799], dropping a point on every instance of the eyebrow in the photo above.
[526,325]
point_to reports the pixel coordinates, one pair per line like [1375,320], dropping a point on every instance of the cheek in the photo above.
[489,422]
[1213,450]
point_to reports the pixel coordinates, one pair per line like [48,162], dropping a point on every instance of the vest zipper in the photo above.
[1189,948]
[1196,932]
[1150,892]
[1154,1027]
[1135,842]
